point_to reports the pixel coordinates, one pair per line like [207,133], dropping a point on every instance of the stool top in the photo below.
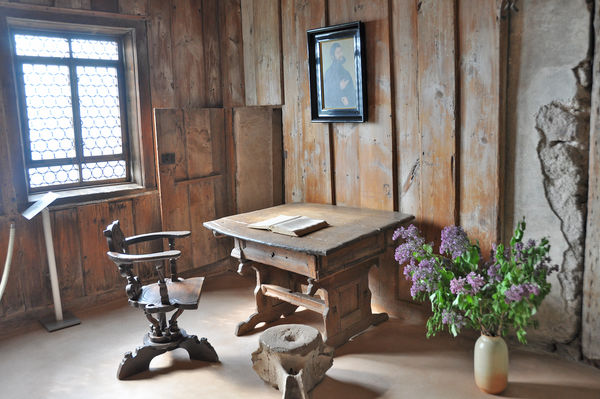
[291,338]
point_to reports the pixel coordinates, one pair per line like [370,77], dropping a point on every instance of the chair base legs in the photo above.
[139,361]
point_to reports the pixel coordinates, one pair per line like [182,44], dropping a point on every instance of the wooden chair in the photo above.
[156,300]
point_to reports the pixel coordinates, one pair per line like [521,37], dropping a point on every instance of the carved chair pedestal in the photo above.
[139,360]
[169,294]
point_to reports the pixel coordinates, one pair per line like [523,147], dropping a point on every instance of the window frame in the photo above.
[72,64]
[138,99]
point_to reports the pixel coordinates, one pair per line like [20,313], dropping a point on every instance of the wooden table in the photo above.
[334,261]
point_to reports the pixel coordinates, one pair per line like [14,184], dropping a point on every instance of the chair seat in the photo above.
[183,294]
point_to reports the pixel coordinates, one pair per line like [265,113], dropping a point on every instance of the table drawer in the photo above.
[281,258]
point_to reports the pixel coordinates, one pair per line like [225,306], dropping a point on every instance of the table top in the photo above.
[346,226]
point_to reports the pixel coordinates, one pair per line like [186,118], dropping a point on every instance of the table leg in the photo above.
[348,305]
[268,309]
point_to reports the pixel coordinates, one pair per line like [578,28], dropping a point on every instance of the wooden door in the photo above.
[193,181]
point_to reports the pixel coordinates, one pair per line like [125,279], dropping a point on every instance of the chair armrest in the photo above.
[121,259]
[156,236]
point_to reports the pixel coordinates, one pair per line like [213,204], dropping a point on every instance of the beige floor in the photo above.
[392,360]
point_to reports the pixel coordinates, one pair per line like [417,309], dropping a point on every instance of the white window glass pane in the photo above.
[99,110]
[103,171]
[49,113]
[41,46]
[53,175]
[95,49]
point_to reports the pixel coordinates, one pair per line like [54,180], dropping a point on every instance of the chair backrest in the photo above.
[115,238]
[116,243]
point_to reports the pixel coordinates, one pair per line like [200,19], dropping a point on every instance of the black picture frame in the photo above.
[338,93]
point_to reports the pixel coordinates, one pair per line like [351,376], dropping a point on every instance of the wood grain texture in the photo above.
[189,70]
[77,4]
[480,94]
[307,145]
[67,249]
[133,7]
[364,170]
[232,53]
[212,49]
[437,118]
[14,190]
[146,219]
[590,329]
[408,139]
[161,54]
[193,180]
[174,199]
[258,178]
[406,95]
[31,261]
[48,3]
[261,30]
[202,209]
[198,143]
[105,5]
[100,274]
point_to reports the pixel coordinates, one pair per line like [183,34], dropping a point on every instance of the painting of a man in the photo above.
[339,81]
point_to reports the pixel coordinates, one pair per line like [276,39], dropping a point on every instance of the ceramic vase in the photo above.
[491,364]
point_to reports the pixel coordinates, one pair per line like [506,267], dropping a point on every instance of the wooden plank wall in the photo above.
[258,178]
[185,43]
[193,180]
[307,145]
[432,144]
[262,51]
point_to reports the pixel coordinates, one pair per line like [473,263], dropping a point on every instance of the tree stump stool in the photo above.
[292,358]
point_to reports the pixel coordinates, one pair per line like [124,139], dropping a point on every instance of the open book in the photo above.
[295,226]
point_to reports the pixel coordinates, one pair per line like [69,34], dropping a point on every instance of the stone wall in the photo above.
[548,102]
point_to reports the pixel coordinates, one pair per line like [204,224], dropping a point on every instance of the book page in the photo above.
[267,224]
[299,226]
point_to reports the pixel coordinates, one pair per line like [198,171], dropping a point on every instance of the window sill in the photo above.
[80,196]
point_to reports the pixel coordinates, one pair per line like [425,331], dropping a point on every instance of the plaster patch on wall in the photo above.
[563,151]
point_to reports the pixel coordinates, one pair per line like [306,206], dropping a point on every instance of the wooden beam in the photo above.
[161,54]
[307,145]
[437,114]
[481,119]
[364,170]
[261,29]
[297,298]
[232,53]
[257,136]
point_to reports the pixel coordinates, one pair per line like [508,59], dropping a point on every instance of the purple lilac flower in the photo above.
[494,273]
[475,281]
[514,293]
[422,275]
[544,265]
[495,250]
[532,288]
[413,243]
[454,241]
[530,244]
[450,317]
[519,291]
[518,248]
[457,286]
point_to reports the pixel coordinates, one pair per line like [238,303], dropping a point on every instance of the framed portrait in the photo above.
[337,73]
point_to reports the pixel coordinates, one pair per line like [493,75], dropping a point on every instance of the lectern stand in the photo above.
[60,320]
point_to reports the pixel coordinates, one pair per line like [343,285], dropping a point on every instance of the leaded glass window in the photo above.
[72,112]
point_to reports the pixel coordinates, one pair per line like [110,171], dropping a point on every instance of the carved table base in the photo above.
[345,306]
